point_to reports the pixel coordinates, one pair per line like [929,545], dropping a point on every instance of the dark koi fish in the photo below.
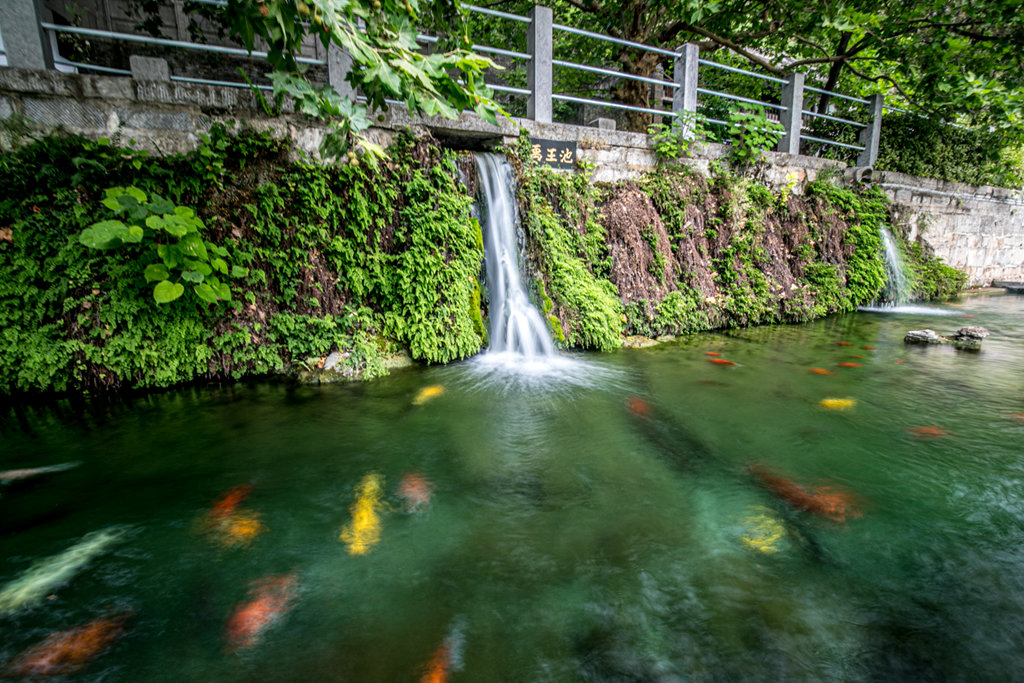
[269,598]
[823,501]
[66,652]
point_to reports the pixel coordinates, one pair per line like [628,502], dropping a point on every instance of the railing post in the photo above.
[539,43]
[339,64]
[657,94]
[792,116]
[684,100]
[27,45]
[871,133]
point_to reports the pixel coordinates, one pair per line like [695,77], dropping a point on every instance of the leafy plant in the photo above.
[750,133]
[172,233]
[681,137]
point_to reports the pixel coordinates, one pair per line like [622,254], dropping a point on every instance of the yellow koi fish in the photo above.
[427,393]
[46,575]
[363,532]
[837,403]
[762,531]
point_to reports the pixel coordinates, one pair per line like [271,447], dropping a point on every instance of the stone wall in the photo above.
[977,229]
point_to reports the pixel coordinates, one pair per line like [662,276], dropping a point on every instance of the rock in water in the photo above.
[969,337]
[922,337]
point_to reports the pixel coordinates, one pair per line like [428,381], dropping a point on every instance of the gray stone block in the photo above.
[107,88]
[149,68]
[38,82]
[65,114]
[155,120]
[603,124]
[6,109]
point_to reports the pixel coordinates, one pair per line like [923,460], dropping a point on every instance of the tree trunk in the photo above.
[833,73]
[637,93]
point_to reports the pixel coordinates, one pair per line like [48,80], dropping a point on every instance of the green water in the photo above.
[566,539]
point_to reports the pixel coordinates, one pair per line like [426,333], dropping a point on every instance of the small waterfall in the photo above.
[517,327]
[897,287]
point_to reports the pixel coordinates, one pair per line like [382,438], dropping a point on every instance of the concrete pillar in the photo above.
[27,45]
[149,68]
[871,133]
[339,64]
[684,100]
[539,77]
[792,117]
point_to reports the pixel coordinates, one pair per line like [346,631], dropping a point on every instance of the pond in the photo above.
[646,515]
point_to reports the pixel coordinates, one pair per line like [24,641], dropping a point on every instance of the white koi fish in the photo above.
[45,575]
[14,475]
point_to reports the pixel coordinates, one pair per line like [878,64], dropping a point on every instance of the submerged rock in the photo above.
[967,338]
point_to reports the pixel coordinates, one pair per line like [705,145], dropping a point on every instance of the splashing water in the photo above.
[898,289]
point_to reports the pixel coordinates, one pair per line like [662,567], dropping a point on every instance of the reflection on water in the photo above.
[643,515]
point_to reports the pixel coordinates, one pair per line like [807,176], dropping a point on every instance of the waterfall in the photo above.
[517,327]
[897,286]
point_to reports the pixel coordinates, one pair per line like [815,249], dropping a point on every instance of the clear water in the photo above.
[897,288]
[565,539]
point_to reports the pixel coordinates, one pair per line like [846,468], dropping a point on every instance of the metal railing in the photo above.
[540,64]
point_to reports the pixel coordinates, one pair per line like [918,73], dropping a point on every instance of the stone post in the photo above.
[792,116]
[540,45]
[871,133]
[684,100]
[657,94]
[339,64]
[27,45]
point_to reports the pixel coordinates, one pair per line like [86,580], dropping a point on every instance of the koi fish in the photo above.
[1019,417]
[762,530]
[427,393]
[721,361]
[712,353]
[229,524]
[363,532]
[269,599]
[868,347]
[856,356]
[837,403]
[14,475]
[415,490]
[638,406]
[848,365]
[68,651]
[823,501]
[46,575]
[820,371]
[446,658]
[928,432]
[901,361]
[230,500]
[842,343]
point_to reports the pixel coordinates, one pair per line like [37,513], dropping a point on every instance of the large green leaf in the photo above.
[167,291]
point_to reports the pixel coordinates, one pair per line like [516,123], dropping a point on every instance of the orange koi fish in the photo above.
[1019,417]
[848,365]
[66,652]
[901,361]
[855,356]
[721,361]
[712,353]
[229,501]
[868,347]
[269,599]
[230,524]
[928,432]
[842,343]
[824,501]
[820,371]
[415,490]
[446,658]
[14,475]
[638,406]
